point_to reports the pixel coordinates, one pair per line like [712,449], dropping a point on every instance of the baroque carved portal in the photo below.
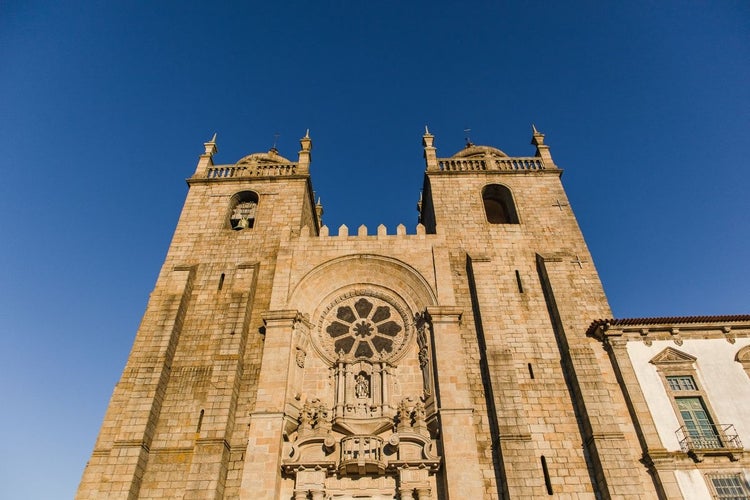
[380,438]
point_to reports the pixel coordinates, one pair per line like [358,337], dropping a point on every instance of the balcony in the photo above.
[715,439]
[361,455]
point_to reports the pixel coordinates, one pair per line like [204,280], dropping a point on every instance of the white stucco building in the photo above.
[688,392]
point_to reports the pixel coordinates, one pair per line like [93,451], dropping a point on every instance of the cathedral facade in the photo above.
[467,359]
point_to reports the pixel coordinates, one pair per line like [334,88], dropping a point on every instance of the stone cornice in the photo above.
[275,178]
[671,328]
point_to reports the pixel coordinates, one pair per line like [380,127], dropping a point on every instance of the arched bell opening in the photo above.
[499,207]
[243,207]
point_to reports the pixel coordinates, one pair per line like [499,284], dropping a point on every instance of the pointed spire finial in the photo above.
[210,146]
[430,157]
[537,138]
[207,158]
[542,150]
[304,157]
[319,211]
[306,142]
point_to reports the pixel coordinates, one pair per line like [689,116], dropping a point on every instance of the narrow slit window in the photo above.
[518,281]
[547,481]
[531,371]
[200,421]
[221,281]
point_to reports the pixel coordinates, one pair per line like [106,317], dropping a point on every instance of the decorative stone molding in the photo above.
[299,357]
[673,358]
[743,358]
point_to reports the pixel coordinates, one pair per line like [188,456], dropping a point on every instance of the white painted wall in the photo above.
[692,485]
[724,380]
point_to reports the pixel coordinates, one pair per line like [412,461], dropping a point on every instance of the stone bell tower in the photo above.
[278,360]
[176,426]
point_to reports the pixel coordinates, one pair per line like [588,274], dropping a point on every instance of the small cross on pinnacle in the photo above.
[275,139]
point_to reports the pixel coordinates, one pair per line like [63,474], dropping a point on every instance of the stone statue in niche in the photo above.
[362,386]
[423,354]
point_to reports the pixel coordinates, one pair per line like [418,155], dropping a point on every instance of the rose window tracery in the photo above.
[362,329]
[363,324]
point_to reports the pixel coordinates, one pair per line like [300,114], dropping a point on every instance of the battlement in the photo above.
[382,231]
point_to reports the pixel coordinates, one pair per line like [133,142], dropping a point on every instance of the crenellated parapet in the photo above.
[362,232]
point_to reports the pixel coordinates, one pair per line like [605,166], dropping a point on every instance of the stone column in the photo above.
[424,494]
[261,476]
[405,493]
[462,472]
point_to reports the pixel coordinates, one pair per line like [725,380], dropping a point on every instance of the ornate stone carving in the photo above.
[299,357]
[673,356]
[363,324]
[314,415]
[743,358]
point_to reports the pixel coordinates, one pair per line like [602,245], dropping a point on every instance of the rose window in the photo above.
[364,326]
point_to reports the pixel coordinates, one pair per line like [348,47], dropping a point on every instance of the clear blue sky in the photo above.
[105,107]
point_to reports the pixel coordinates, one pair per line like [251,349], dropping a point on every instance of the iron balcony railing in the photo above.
[713,437]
